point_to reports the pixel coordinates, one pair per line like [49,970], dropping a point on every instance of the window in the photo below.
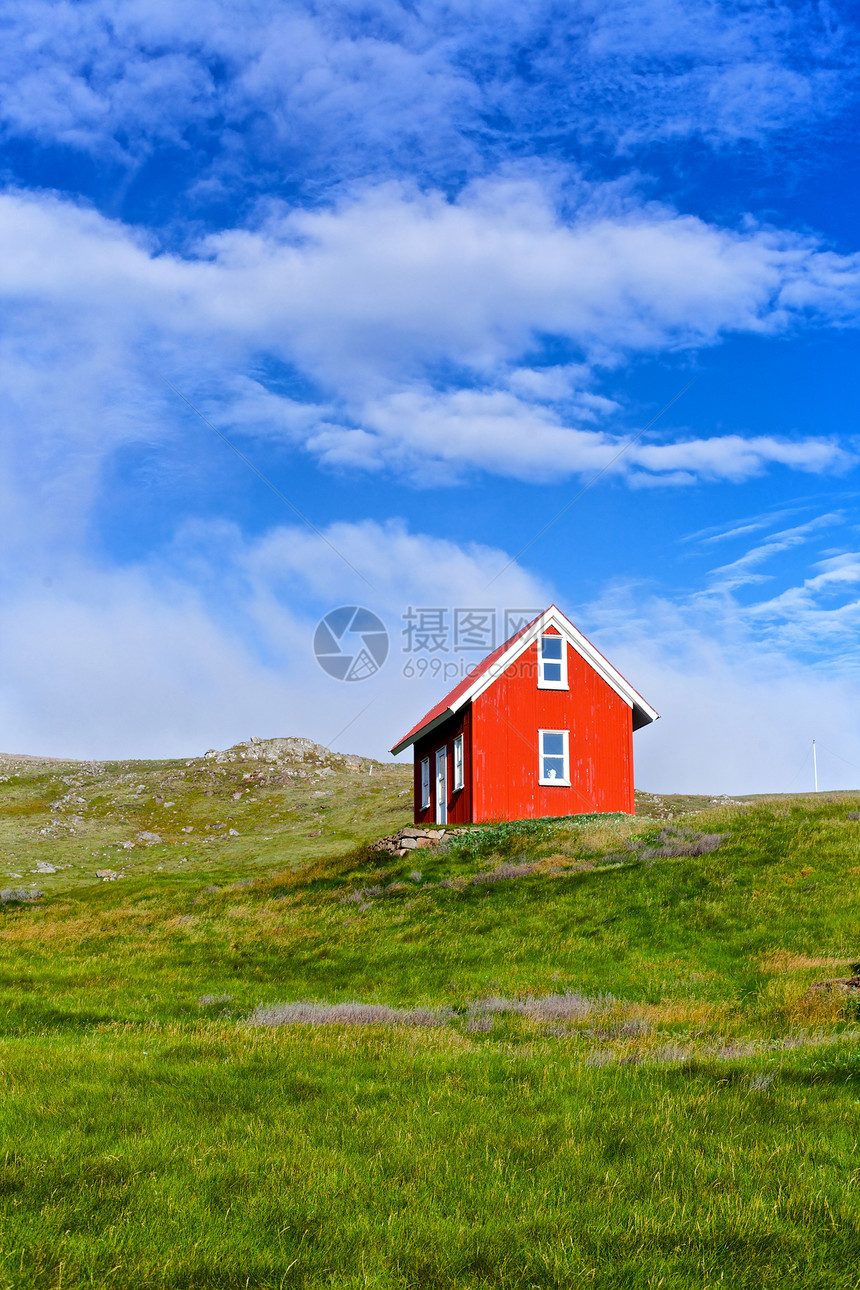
[459,777]
[554,768]
[552,663]
[425,783]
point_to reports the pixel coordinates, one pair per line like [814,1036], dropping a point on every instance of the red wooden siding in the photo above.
[501,740]
[506,719]
[459,802]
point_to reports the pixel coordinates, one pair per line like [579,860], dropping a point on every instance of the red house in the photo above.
[543,726]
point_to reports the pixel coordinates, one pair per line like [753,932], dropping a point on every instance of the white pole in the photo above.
[815,765]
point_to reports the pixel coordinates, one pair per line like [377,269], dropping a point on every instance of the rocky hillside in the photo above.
[262,802]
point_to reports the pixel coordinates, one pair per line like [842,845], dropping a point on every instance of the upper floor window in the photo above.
[554,757]
[425,783]
[459,770]
[552,663]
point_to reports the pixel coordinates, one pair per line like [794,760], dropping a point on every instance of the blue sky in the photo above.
[430,267]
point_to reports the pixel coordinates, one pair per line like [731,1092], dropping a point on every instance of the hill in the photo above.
[559,1052]
[264,802]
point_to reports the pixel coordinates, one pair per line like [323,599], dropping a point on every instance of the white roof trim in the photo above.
[425,730]
[553,617]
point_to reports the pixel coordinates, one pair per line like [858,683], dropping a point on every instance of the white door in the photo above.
[442,786]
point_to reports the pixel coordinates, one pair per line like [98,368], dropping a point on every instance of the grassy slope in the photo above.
[692,1118]
[77,816]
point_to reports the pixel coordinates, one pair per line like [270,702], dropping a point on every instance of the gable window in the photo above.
[459,774]
[425,783]
[552,663]
[554,762]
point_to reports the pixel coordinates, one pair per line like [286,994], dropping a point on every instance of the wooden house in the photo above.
[543,726]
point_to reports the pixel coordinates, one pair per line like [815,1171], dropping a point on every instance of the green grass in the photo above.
[631,1085]
[324,1158]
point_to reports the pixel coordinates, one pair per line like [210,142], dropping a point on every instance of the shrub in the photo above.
[346,1014]
[504,872]
[672,843]
[547,1008]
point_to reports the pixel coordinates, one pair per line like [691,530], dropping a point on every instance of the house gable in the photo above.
[586,726]
[554,619]
[496,664]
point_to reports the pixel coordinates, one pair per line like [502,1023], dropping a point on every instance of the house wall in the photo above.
[460,802]
[505,722]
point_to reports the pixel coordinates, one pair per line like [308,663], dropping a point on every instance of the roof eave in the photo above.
[419,734]
[643,715]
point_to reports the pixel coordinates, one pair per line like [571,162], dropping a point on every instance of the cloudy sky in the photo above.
[429,306]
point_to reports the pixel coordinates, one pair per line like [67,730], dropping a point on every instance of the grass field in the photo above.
[577,1052]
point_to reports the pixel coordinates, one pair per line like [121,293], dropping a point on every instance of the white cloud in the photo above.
[365,299]
[735,722]
[167,660]
[739,707]
[820,617]
[739,530]
[814,616]
[211,640]
[743,570]
[112,666]
[381,88]
[396,278]
[494,430]
[733,457]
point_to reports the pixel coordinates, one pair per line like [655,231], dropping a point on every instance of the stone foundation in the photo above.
[410,839]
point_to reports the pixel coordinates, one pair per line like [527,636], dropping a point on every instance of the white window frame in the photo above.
[543,683]
[554,783]
[425,783]
[459,764]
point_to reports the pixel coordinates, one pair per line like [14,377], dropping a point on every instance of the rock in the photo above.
[12,894]
[410,839]
[836,985]
[44,867]
[233,833]
[151,839]
[107,875]
[127,846]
